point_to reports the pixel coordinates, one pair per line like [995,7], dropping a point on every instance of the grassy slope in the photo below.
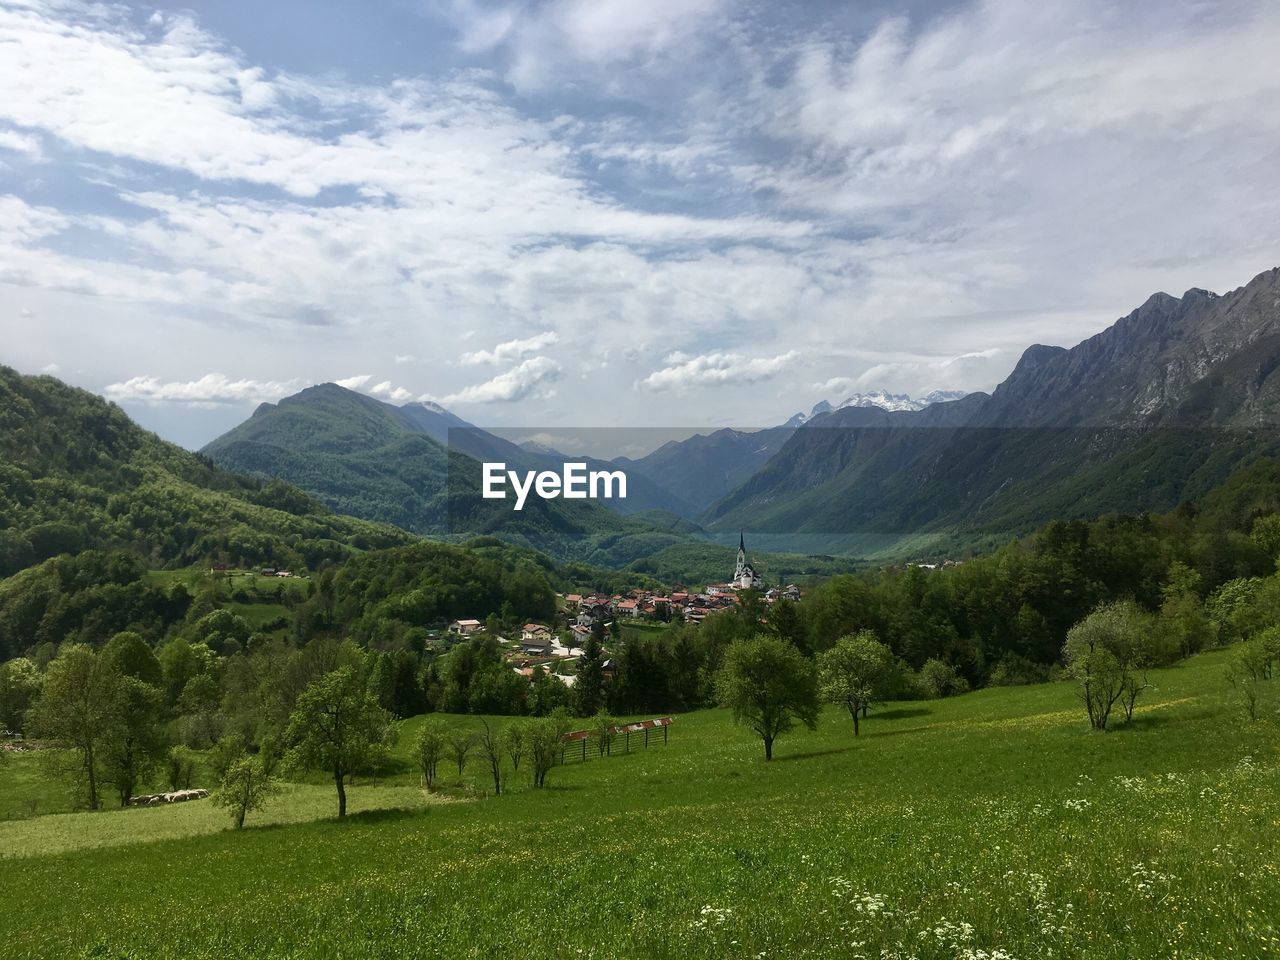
[995,810]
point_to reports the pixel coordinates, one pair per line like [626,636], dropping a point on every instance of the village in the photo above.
[556,648]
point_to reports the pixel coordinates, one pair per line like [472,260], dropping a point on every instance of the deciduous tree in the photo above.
[245,788]
[337,726]
[79,706]
[492,748]
[769,685]
[1106,653]
[856,673]
[429,747]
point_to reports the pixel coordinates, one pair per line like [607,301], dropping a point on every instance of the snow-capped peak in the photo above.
[878,398]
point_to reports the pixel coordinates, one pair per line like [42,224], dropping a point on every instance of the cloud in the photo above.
[974,370]
[210,390]
[516,384]
[835,385]
[20,143]
[389,392]
[716,369]
[511,350]
[356,382]
[561,41]
[831,183]
[403,358]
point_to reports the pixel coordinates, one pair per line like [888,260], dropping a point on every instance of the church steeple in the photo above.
[744,575]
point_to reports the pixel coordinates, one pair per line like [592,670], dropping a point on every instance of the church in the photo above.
[744,575]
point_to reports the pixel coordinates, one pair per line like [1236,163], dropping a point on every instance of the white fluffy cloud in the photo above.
[355,383]
[742,183]
[917,375]
[20,142]
[211,389]
[516,384]
[387,391]
[716,369]
[512,349]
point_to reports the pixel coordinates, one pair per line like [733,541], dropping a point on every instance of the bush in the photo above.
[1014,671]
[940,679]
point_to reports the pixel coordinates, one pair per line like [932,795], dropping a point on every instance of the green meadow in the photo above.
[988,826]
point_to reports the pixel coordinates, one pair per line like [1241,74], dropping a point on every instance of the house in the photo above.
[581,634]
[627,608]
[535,631]
[466,627]
[572,600]
[541,645]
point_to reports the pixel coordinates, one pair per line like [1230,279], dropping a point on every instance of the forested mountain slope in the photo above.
[76,473]
[419,467]
[1158,409]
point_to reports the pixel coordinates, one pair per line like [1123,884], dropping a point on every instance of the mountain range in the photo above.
[879,399]
[1157,409]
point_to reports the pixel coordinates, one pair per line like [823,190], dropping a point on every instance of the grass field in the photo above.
[992,825]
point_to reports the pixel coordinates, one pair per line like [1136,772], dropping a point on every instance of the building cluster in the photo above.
[582,615]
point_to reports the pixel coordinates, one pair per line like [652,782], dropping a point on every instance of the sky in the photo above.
[603,213]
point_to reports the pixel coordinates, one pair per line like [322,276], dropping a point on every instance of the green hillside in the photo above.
[390,464]
[77,474]
[990,825]
[349,450]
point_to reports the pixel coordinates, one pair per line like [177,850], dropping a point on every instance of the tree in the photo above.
[544,736]
[1105,653]
[181,660]
[548,694]
[513,737]
[492,747]
[769,685]
[19,689]
[588,688]
[428,748]
[604,724]
[135,745]
[785,621]
[855,673]
[459,744]
[79,706]
[337,726]
[941,679]
[1252,663]
[1244,680]
[1186,629]
[246,787]
[133,657]
[180,768]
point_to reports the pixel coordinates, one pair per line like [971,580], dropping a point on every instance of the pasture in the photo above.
[989,826]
